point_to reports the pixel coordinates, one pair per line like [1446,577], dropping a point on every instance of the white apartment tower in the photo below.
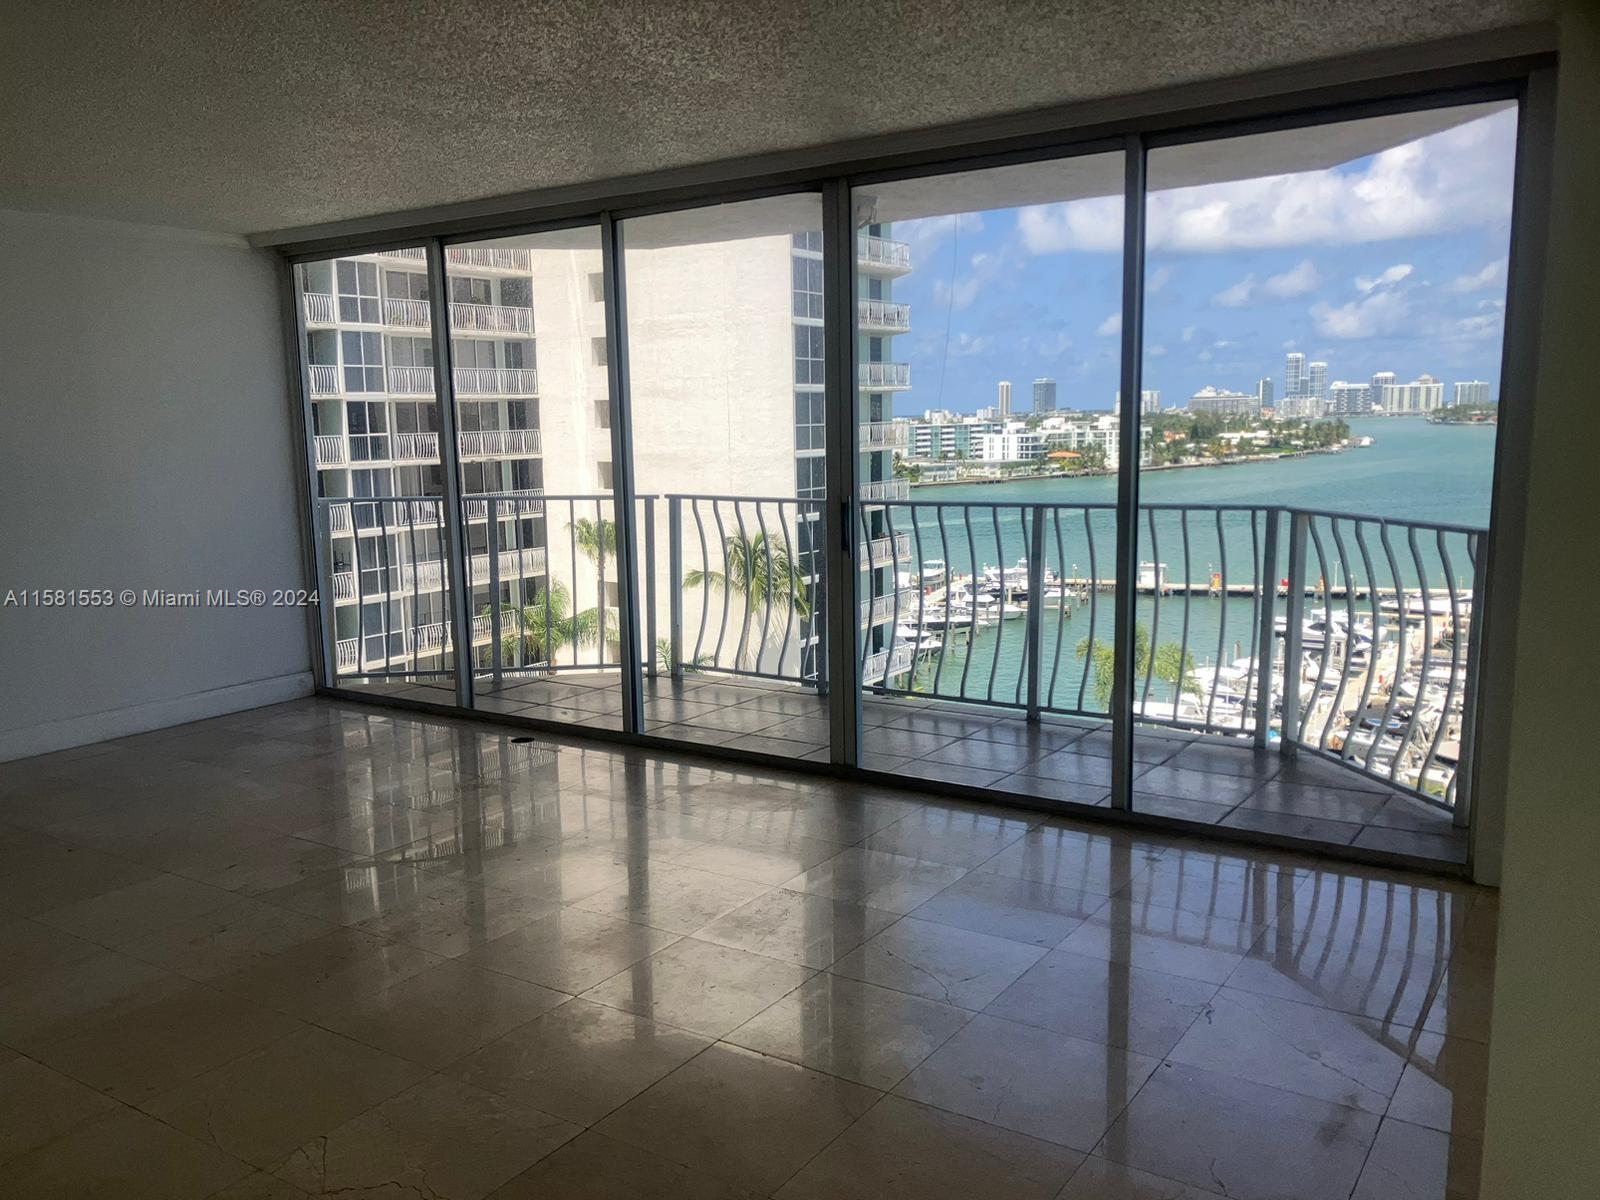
[1294,375]
[1003,401]
[1472,393]
[1317,385]
[1044,396]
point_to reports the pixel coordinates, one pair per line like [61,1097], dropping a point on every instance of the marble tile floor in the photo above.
[1211,781]
[328,948]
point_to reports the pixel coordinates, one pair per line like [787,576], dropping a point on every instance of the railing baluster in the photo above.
[1359,527]
[1294,618]
[675,584]
[767,597]
[1000,608]
[1188,601]
[388,586]
[600,576]
[727,583]
[1061,607]
[1033,651]
[949,571]
[1401,604]
[650,666]
[1455,662]
[1265,614]
[922,596]
[1094,607]
[792,590]
[1461,782]
[1350,631]
[972,605]
[705,571]
[492,536]
[894,603]
[1426,591]
[1222,624]
[1327,635]
[1155,609]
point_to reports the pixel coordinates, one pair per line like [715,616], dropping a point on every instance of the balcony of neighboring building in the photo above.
[884,435]
[479,258]
[882,257]
[409,578]
[469,381]
[885,376]
[883,317]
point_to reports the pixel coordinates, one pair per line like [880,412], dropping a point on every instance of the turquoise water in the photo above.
[1413,471]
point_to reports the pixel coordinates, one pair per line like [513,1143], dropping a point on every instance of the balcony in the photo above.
[320,309]
[881,609]
[330,450]
[885,435]
[499,443]
[324,380]
[407,314]
[410,381]
[416,447]
[882,317]
[517,504]
[881,256]
[885,490]
[883,665]
[495,381]
[490,258]
[885,376]
[490,318]
[884,551]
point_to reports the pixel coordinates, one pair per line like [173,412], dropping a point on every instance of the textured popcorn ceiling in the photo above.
[247,116]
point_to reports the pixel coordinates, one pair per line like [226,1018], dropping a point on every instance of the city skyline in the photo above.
[1401,269]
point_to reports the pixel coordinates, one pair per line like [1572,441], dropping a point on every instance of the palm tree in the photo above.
[597,539]
[538,630]
[1172,665]
[760,570]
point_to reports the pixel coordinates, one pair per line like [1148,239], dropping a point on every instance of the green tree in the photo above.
[760,570]
[1171,665]
[597,540]
[540,629]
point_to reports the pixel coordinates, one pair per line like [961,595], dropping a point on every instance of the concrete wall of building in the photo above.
[1544,1065]
[146,444]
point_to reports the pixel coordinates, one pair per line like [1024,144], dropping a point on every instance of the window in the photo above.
[358,293]
[363,360]
[410,352]
[808,408]
[368,423]
[405,285]
[808,350]
[516,292]
[807,274]
[466,290]
[518,355]
[471,352]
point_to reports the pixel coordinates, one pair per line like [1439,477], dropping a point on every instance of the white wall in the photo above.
[145,442]
[1543,1126]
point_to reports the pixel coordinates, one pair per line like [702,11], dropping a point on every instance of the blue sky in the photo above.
[1393,262]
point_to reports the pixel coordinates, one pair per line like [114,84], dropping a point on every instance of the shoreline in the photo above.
[1043,475]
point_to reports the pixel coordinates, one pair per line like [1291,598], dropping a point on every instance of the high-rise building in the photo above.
[1376,385]
[1003,403]
[1220,403]
[529,423]
[1349,399]
[1317,382]
[1044,395]
[1294,375]
[1473,393]
[1423,394]
[1264,392]
[1149,401]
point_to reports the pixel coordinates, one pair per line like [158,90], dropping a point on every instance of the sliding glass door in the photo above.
[1160,475]
[987,310]
[725,340]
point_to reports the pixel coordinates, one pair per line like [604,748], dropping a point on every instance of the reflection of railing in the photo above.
[409,314]
[320,309]
[495,381]
[492,443]
[416,447]
[885,489]
[885,551]
[883,315]
[883,256]
[1340,635]
[490,318]
[884,435]
[324,380]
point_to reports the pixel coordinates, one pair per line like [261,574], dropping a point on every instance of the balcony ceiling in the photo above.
[251,116]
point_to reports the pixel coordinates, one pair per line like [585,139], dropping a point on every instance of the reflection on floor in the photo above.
[340,949]
[1208,780]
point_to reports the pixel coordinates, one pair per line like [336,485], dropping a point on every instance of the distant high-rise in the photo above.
[1264,392]
[1376,385]
[1218,402]
[1149,401]
[1422,395]
[1044,395]
[1294,375]
[1317,382]
[1004,404]
[1473,393]
[1349,399]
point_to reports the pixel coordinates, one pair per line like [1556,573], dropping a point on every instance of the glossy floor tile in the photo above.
[322,949]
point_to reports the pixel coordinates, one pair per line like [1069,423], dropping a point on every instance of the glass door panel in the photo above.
[533,423]
[1322,348]
[987,321]
[379,511]
[725,363]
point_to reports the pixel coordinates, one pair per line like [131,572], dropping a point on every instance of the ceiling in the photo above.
[241,115]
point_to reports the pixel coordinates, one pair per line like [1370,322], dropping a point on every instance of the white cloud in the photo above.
[1111,326]
[1371,316]
[1296,281]
[964,345]
[1388,278]
[1188,333]
[1156,351]
[1488,277]
[1446,181]
[1238,295]
[1159,278]
[1479,328]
